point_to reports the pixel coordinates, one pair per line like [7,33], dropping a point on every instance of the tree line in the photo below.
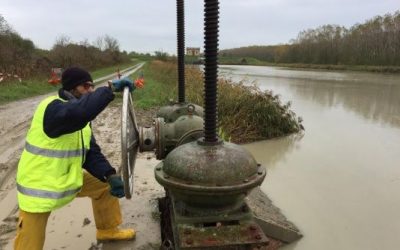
[21,57]
[374,42]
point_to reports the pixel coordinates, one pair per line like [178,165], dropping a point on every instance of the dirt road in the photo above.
[72,227]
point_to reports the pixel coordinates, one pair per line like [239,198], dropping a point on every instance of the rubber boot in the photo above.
[115,234]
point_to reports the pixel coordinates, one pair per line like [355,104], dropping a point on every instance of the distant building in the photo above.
[192,51]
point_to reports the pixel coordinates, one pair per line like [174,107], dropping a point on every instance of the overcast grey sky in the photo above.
[149,25]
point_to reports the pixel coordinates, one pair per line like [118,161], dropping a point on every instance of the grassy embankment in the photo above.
[14,90]
[245,113]
[233,60]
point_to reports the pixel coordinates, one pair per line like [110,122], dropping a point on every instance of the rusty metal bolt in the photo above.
[189,241]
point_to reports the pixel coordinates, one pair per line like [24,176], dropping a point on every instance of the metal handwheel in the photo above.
[129,142]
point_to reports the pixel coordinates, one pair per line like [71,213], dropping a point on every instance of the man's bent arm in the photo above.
[66,117]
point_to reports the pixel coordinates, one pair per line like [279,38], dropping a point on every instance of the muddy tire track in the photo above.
[15,119]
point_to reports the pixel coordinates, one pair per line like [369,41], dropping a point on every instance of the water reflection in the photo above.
[275,150]
[372,96]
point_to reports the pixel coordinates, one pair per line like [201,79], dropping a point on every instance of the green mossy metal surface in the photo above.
[173,111]
[170,134]
[208,177]
[220,165]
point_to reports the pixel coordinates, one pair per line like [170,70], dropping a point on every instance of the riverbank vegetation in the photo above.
[14,89]
[372,46]
[245,112]
[19,57]
[25,69]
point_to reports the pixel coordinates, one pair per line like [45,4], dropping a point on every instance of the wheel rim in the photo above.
[129,142]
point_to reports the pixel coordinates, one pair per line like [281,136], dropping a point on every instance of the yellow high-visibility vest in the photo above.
[50,169]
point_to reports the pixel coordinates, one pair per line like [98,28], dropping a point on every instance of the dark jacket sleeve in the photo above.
[67,117]
[96,163]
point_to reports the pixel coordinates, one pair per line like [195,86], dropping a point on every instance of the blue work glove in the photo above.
[120,84]
[117,186]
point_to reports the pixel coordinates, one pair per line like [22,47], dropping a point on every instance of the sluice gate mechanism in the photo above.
[206,179]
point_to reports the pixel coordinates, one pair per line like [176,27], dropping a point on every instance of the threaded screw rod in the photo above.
[180,10]
[211,25]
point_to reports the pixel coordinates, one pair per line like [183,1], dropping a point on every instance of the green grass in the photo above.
[245,113]
[14,90]
[159,87]
[112,69]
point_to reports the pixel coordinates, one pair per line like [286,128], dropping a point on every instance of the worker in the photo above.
[61,160]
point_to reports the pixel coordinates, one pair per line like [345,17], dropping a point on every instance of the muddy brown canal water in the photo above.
[339,182]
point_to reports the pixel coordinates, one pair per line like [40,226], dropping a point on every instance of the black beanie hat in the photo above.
[74,76]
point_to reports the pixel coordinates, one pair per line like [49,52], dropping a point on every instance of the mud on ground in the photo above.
[72,227]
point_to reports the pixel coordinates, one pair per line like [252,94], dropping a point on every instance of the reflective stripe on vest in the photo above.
[46,194]
[49,172]
[53,153]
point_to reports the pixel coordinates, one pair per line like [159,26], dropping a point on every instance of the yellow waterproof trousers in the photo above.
[31,228]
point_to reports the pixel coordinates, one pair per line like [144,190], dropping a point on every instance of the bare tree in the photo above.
[62,41]
[99,43]
[111,43]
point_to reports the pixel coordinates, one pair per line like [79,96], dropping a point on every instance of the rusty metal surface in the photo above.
[246,236]
[183,213]
[236,230]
